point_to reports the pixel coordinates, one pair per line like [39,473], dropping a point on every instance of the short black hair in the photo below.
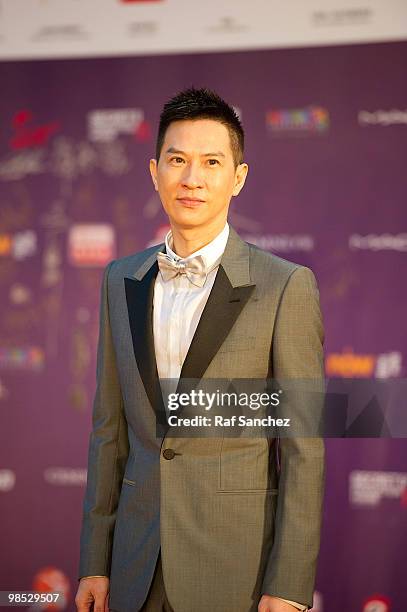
[202,103]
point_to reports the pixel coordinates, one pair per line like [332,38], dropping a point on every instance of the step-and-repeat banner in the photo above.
[91,28]
[326,131]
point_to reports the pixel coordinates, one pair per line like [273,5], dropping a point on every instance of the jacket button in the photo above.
[168,453]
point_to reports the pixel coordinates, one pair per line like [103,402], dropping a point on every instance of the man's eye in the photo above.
[177,159]
[213,160]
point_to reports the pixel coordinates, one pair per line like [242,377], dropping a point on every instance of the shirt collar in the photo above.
[211,252]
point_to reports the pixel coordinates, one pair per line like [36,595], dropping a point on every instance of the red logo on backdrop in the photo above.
[52,580]
[27,135]
[376,603]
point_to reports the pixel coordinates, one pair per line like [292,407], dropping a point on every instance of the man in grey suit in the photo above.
[186,524]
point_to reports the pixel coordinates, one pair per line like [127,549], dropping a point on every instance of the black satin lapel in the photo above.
[222,308]
[139,298]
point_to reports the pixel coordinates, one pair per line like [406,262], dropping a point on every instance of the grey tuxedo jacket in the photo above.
[234,518]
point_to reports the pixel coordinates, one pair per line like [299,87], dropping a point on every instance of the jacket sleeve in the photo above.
[298,355]
[108,452]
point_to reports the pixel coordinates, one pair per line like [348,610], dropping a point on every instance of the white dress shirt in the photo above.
[178,305]
[177,308]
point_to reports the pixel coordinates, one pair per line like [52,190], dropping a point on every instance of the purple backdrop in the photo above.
[327,149]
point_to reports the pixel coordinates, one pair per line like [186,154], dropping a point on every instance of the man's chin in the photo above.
[189,219]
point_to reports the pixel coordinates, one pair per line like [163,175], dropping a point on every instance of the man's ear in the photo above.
[153,172]
[240,177]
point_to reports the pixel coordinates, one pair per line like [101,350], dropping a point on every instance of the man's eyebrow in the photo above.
[217,154]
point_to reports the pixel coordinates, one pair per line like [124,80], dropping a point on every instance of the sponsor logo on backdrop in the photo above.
[68,159]
[7,480]
[376,603]
[28,135]
[23,164]
[24,244]
[379,242]
[228,24]
[106,125]
[19,294]
[52,272]
[22,358]
[342,17]
[19,246]
[52,580]
[91,244]
[55,219]
[295,121]
[63,476]
[364,365]
[383,117]
[56,222]
[282,242]
[142,28]
[369,488]
[60,32]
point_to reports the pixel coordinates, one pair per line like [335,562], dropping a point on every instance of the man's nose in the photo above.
[192,176]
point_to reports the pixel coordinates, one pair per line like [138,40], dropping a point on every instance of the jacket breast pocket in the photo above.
[244,466]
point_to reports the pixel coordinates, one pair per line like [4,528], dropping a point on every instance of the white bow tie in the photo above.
[194,268]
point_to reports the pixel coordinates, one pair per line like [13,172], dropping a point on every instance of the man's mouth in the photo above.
[191,202]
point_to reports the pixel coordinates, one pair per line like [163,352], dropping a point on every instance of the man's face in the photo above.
[195,176]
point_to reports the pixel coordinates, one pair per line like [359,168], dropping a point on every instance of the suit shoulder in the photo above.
[277,268]
[263,258]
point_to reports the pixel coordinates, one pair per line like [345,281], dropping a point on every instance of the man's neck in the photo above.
[187,241]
